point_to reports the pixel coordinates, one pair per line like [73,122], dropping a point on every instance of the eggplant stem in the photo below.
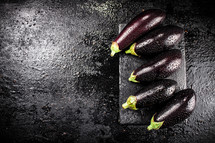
[114,49]
[133,78]
[130,103]
[154,125]
[128,51]
[132,50]
[112,53]
[125,105]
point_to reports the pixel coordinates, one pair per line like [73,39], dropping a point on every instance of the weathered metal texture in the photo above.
[58,82]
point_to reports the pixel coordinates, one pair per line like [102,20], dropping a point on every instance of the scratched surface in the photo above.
[58,82]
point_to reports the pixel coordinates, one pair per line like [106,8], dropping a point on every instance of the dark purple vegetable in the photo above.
[160,67]
[157,40]
[180,106]
[139,25]
[156,92]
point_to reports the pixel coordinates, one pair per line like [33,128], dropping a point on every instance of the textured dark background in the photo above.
[59,84]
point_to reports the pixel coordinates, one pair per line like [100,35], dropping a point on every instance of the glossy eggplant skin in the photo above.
[160,67]
[177,109]
[159,40]
[138,26]
[156,92]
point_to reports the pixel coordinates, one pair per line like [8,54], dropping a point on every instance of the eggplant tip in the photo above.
[154,125]
[132,78]
[149,128]
[125,105]
[128,51]
[112,53]
[114,49]
[130,103]
[132,50]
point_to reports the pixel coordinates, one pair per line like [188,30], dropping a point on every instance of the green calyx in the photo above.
[130,103]
[114,49]
[154,125]
[132,50]
[133,78]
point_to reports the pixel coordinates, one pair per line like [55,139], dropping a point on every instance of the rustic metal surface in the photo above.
[58,82]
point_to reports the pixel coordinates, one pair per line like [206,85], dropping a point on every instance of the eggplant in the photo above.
[160,67]
[154,93]
[157,41]
[180,107]
[139,25]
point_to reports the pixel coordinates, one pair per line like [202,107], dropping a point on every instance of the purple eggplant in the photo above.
[180,106]
[156,92]
[160,67]
[157,41]
[139,25]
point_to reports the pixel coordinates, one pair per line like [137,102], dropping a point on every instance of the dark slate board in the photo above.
[127,63]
